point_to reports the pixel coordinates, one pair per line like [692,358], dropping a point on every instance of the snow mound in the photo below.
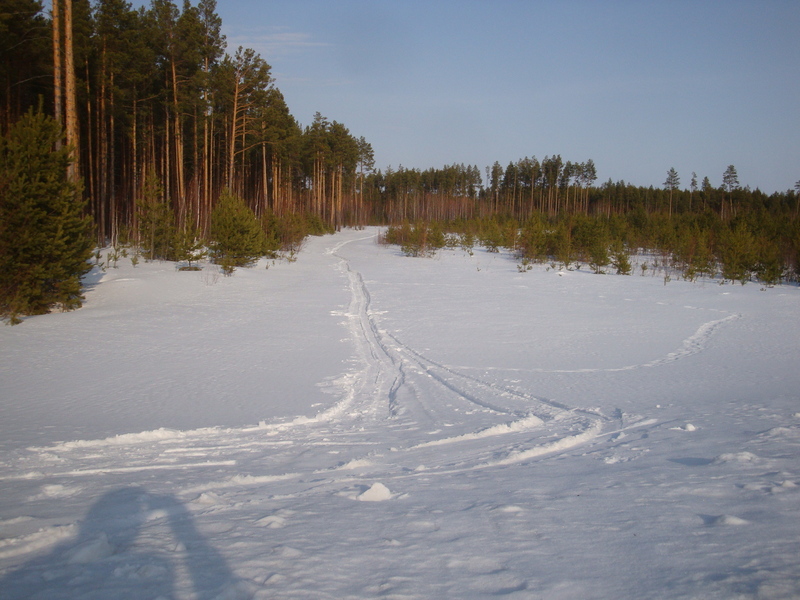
[723,520]
[687,427]
[56,490]
[526,423]
[357,463]
[272,522]
[377,493]
[34,542]
[208,499]
[123,439]
[90,551]
[782,432]
[736,457]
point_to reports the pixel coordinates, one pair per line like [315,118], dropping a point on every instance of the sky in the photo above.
[637,86]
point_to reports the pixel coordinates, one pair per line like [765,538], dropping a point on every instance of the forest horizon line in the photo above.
[156,92]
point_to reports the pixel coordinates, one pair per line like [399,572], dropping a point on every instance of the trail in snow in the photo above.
[692,345]
[396,403]
[405,425]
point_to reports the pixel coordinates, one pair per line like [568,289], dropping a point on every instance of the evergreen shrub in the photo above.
[45,238]
[237,239]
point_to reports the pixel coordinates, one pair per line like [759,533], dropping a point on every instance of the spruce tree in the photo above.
[44,235]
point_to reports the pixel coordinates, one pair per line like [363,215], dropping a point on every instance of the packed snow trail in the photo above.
[394,404]
[429,476]
[437,395]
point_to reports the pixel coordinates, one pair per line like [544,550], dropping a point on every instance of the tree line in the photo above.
[159,126]
[156,92]
[552,186]
[524,187]
[753,246]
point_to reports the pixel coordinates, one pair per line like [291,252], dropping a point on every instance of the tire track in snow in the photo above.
[381,425]
[430,365]
[537,411]
[383,372]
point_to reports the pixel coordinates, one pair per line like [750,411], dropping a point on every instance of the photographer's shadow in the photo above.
[132,544]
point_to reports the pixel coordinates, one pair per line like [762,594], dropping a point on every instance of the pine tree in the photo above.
[671,184]
[156,221]
[237,239]
[44,236]
[26,56]
[188,247]
[730,181]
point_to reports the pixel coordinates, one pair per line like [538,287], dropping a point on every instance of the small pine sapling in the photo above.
[620,259]
[468,242]
[114,256]
[189,248]
[598,258]
[525,265]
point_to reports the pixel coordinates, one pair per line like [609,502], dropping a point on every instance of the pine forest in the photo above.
[173,140]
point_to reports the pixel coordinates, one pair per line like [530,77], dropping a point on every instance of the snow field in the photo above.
[362,424]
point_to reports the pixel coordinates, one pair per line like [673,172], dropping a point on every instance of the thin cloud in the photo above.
[311,81]
[275,41]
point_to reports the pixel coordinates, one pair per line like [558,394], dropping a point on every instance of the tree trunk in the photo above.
[89,138]
[57,69]
[73,171]
[102,153]
[112,168]
[232,140]
[180,191]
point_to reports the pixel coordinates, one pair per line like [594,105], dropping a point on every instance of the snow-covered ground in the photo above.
[359,424]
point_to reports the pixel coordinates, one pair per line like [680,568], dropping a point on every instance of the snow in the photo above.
[377,492]
[360,424]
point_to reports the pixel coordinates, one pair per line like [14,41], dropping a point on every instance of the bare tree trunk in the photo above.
[57,68]
[73,171]
[205,199]
[196,174]
[136,182]
[89,138]
[112,195]
[233,133]
[264,183]
[166,157]
[102,153]
[180,190]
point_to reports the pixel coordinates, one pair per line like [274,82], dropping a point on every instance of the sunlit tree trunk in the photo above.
[71,109]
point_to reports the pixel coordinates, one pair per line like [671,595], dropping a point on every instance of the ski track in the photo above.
[400,414]
[397,403]
[692,345]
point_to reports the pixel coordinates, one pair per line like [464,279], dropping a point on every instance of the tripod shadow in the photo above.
[122,551]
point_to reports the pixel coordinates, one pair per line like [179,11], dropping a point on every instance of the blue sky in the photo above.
[637,86]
